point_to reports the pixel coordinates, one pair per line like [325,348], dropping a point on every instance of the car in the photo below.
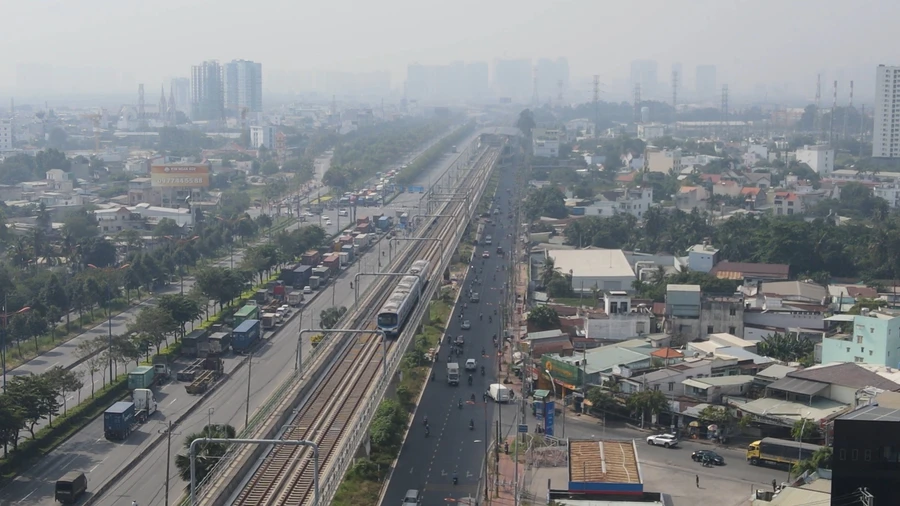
[286,308]
[308,214]
[475,297]
[412,498]
[465,325]
[486,254]
[471,365]
[307,289]
[488,240]
[667,440]
[499,250]
[342,212]
[714,457]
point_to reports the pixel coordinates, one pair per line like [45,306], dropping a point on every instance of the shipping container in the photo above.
[141,377]
[333,262]
[219,342]
[245,336]
[248,312]
[287,274]
[361,241]
[323,272]
[384,223]
[301,276]
[311,257]
[345,259]
[194,343]
[118,420]
[349,250]
[315,282]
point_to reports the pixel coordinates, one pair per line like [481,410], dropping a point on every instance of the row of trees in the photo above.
[31,398]
[370,149]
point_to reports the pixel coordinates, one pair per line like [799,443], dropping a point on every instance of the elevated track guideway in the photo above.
[346,385]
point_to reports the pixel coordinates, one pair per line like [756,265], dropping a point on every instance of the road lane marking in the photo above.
[29,494]
[92,469]
[173,400]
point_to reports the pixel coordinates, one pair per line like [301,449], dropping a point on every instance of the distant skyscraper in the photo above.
[705,82]
[477,79]
[644,72]
[549,74]
[180,88]
[513,78]
[207,92]
[885,141]
[243,86]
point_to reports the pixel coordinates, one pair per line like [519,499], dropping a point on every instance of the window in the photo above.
[842,454]
[671,386]
[709,329]
[859,339]
[732,311]
[858,359]
[732,330]
[656,388]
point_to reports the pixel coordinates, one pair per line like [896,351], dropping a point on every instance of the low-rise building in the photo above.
[591,269]
[750,273]
[634,201]
[722,314]
[819,157]
[889,192]
[702,257]
[545,142]
[663,161]
[874,339]
[711,389]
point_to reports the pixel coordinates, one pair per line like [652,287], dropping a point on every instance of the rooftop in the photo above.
[846,374]
[776,371]
[595,263]
[682,288]
[788,412]
[802,289]
[740,270]
[873,414]
[718,381]
[603,462]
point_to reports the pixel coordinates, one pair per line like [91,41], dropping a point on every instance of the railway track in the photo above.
[285,475]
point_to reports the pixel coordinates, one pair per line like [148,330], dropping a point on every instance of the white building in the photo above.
[633,201]
[262,136]
[886,139]
[7,135]
[604,269]
[243,86]
[651,131]
[702,257]
[662,160]
[545,142]
[889,192]
[819,157]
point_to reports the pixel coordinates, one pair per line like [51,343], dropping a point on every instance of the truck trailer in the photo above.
[453,373]
[245,336]
[118,421]
[147,376]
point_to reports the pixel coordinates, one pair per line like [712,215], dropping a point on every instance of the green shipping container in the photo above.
[141,377]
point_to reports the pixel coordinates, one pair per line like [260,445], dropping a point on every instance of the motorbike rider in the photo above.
[482,370]
[471,424]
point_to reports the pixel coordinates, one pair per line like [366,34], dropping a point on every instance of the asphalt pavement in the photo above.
[428,464]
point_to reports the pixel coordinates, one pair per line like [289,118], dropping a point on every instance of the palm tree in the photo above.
[20,253]
[208,454]
[658,276]
[548,271]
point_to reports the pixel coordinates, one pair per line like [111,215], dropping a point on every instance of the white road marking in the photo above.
[29,494]
[173,400]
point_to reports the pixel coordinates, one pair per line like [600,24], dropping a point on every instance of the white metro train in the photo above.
[403,299]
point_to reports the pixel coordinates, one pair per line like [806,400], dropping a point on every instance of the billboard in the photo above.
[181,175]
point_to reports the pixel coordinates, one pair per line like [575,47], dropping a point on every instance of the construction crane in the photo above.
[95,121]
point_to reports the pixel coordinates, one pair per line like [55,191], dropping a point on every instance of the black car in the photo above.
[715,458]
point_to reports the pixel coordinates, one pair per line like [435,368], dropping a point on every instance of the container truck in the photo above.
[333,263]
[344,259]
[311,257]
[245,336]
[195,344]
[361,241]
[205,377]
[118,421]
[315,282]
[269,320]
[295,298]
[323,272]
[248,312]
[301,276]
[147,376]
[144,403]
[453,373]
[348,249]
[219,343]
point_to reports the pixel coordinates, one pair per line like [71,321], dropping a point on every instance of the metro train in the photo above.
[403,299]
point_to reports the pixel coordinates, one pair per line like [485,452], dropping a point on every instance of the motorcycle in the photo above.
[471,424]
[427,431]
[470,380]
[482,370]
[455,479]
[460,404]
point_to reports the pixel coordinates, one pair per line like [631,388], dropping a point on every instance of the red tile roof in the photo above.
[667,353]
[712,178]
[749,190]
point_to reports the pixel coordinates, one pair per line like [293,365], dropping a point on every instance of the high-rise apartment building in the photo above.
[549,74]
[477,79]
[456,81]
[513,78]
[243,86]
[207,92]
[705,82]
[181,90]
[7,134]
[644,73]
[886,138]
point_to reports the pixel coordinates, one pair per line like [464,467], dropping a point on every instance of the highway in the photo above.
[428,463]
[100,459]
[88,450]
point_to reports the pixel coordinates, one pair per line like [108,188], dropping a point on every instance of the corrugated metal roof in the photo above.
[798,386]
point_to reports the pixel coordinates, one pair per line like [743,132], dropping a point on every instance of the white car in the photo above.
[342,212]
[666,440]
[286,309]
[307,289]
[471,365]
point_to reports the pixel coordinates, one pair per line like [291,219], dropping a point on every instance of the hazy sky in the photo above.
[758,41]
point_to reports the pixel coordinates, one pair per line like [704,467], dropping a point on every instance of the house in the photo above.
[118,219]
[753,197]
[843,297]
[721,313]
[727,189]
[545,142]
[711,389]
[874,339]
[819,157]
[663,161]
[790,291]
[683,304]
[772,374]
[667,379]
[702,257]
[689,198]
[594,269]
[618,321]
[594,366]
[634,201]
[750,273]
[762,180]
[787,204]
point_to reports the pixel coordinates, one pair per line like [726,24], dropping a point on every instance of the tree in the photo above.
[57,138]
[820,459]
[182,308]
[36,397]
[269,168]
[785,347]
[89,352]
[207,454]
[54,294]
[804,428]
[543,318]
[11,422]
[167,227]
[601,401]
[328,318]
[548,271]
[153,324]
[63,381]
[647,402]
[547,201]
[525,122]
[80,224]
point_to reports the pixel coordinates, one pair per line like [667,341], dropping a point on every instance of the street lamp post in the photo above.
[3,334]
[109,313]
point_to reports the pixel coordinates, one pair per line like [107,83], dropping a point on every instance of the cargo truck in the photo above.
[498,392]
[771,450]
[295,298]
[144,403]
[147,376]
[453,373]
[118,421]
[195,344]
[248,312]
[301,276]
[219,343]
[269,320]
[245,336]
[315,282]
[204,379]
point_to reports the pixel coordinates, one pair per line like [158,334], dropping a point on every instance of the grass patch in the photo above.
[588,300]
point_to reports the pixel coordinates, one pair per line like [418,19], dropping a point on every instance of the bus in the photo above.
[248,312]
[771,450]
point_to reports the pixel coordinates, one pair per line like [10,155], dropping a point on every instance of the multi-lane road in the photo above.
[428,463]
[101,460]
